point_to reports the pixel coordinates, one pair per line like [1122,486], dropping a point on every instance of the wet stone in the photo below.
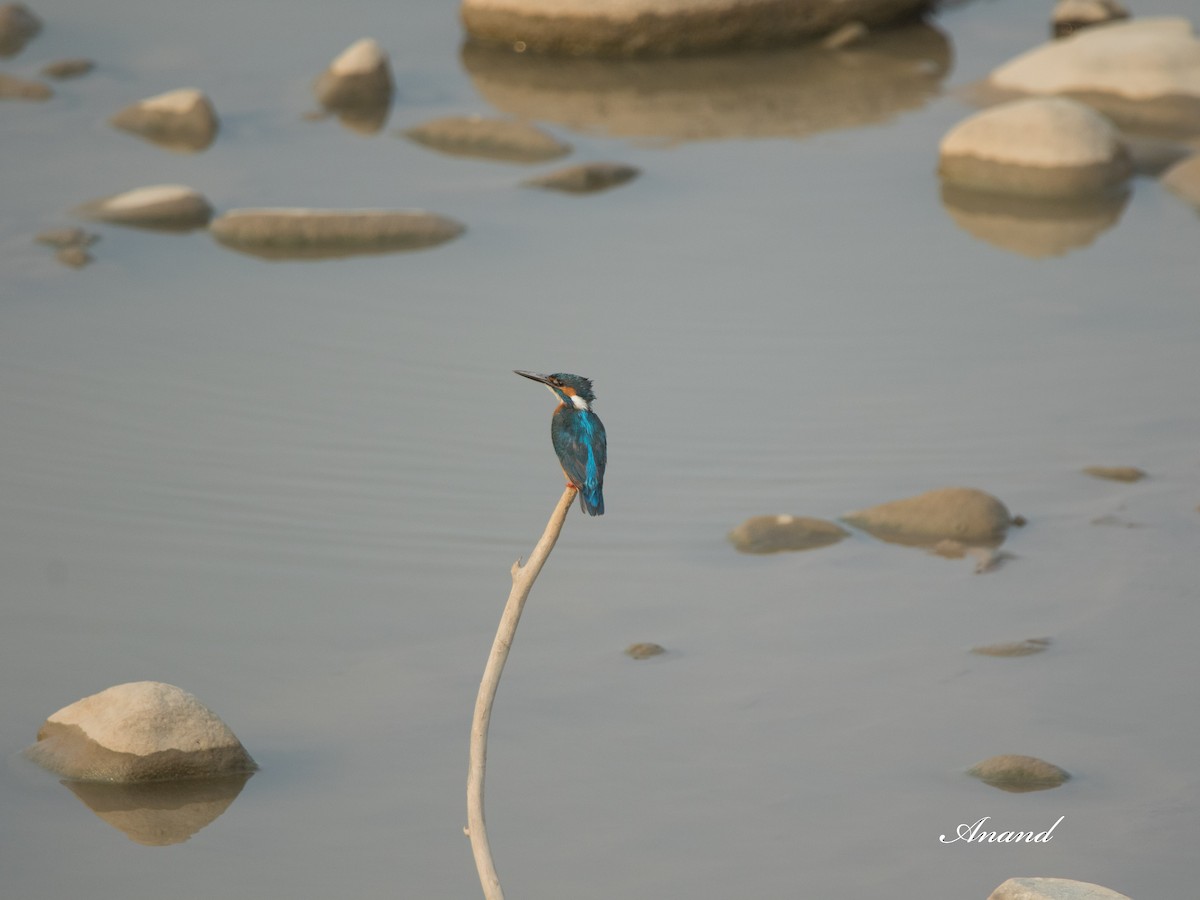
[775,534]
[18,25]
[587,178]
[359,78]
[498,139]
[168,207]
[1014,648]
[1018,774]
[1038,888]
[182,119]
[68,68]
[139,732]
[644,651]
[966,515]
[325,233]
[1115,473]
[13,88]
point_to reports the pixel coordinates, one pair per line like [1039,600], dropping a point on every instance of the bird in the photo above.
[578,436]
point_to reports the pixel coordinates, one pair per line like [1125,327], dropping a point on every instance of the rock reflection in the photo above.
[787,93]
[158,814]
[1031,227]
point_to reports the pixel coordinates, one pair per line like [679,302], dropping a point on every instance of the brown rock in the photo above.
[1018,774]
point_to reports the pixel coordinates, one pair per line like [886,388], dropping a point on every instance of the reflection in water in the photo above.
[789,93]
[1033,227]
[158,814]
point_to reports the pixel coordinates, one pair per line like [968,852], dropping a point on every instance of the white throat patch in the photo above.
[579,402]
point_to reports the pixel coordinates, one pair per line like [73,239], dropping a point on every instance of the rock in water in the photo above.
[488,138]
[961,514]
[141,731]
[1052,889]
[183,119]
[171,207]
[18,25]
[772,534]
[361,77]
[1018,774]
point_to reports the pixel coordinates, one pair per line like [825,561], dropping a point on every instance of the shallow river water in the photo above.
[295,488]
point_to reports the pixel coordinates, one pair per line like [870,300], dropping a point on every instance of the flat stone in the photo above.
[141,731]
[13,88]
[359,78]
[620,28]
[1042,147]
[18,25]
[1018,774]
[1014,648]
[1115,473]
[171,207]
[588,178]
[774,534]
[1142,73]
[182,119]
[68,68]
[488,138]
[1183,180]
[322,233]
[644,651]
[1037,888]
[961,514]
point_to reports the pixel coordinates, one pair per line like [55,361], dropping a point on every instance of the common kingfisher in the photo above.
[578,437]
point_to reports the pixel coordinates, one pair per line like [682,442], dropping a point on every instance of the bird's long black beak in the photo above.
[533,376]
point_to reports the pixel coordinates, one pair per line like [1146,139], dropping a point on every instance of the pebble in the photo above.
[182,119]
[18,25]
[961,514]
[1046,147]
[1039,888]
[588,178]
[644,651]
[488,138]
[68,68]
[621,28]
[773,534]
[172,207]
[1018,774]
[141,731]
[361,77]
[1115,473]
[14,88]
[1014,648]
[323,233]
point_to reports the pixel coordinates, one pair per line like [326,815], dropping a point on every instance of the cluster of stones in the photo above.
[1056,151]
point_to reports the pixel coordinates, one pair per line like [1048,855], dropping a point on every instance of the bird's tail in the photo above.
[591,501]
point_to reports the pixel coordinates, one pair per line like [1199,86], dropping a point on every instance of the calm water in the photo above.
[295,489]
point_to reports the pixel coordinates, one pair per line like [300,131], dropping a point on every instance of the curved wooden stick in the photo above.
[523,577]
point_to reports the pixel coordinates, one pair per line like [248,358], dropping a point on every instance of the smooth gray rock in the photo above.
[141,731]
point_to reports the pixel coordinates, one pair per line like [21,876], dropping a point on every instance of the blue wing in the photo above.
[582,448]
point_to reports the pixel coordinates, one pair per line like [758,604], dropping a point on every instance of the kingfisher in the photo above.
[578,437]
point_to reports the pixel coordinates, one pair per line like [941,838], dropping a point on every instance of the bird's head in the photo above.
[574,390]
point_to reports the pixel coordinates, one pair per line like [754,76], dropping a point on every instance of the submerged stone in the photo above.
[1013,648]
[773,534]
[1038,888]
[68,68]
[1040,147]
[14,88]
[499,139]
[1115,473]
[322,233]
[183,119]
[585,179]
[961,514]
[644,651]
[619,28]
[1018,774]
[170,207]
[141,731]
[66,237]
